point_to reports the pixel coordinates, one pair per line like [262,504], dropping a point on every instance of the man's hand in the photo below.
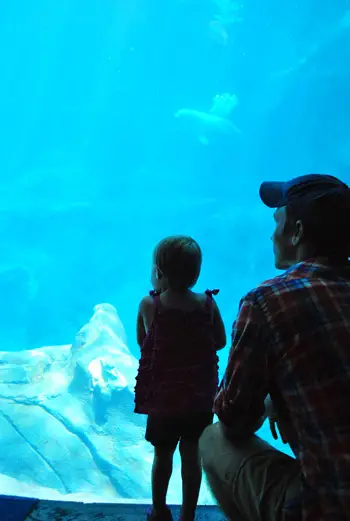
[273,420]
[273,428]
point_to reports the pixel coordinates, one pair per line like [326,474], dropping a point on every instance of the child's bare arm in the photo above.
[144,319]
[219,328]
[140,326]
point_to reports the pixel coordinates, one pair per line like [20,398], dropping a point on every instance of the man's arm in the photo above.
[239,404]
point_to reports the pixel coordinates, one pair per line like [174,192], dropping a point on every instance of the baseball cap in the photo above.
[275,194]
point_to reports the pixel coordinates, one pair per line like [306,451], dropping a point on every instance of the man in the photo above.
[290,342]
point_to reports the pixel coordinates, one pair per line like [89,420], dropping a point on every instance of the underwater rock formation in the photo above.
[67,421]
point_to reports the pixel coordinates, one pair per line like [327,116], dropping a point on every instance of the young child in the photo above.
[179,332]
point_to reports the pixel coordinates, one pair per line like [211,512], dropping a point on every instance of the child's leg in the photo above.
[191,469]
[161,474]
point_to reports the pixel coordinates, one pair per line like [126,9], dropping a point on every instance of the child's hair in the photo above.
[179,258]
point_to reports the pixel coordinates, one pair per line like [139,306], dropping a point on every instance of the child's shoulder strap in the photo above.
[156,298]
[209,301]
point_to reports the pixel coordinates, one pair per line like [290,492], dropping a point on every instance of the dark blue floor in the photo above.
[15,509]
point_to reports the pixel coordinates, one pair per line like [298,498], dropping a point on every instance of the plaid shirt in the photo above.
[291,339]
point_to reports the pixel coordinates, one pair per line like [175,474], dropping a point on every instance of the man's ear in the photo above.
[298,234]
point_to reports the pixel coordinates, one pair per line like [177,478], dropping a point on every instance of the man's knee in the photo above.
[219,452]
[207,434]
[209,443]
[203,440]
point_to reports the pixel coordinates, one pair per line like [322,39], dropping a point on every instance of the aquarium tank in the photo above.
[122,122]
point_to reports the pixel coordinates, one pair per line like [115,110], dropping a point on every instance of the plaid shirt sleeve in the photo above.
[239,403]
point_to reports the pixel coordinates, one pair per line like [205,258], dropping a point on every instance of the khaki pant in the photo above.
[251,481]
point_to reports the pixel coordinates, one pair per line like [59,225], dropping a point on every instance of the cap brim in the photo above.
[272,194]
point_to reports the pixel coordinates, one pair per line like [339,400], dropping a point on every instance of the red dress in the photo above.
[178,369]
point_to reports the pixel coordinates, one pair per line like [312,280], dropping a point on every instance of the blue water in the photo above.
[96,168]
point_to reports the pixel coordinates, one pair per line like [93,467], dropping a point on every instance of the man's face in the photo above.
[283,248]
